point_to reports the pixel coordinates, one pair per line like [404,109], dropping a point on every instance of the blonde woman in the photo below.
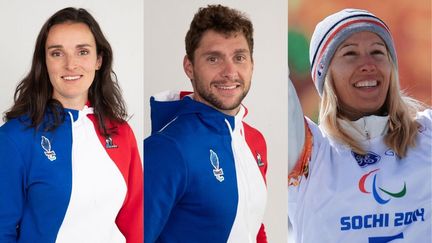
[364,174]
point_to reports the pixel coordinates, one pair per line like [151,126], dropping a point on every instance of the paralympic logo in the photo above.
[375,188]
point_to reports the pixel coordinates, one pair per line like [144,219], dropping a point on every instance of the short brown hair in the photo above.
[220,19]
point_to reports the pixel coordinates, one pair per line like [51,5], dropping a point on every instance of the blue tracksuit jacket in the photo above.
[203,175]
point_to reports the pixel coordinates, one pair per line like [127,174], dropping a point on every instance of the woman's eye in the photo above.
[83,52]
[349,53]
[56,54]
[377,52]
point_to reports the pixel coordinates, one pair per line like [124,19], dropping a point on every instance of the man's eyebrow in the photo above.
[212,53]
[242,50]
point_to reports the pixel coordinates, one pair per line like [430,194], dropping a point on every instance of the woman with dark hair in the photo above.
[70,170]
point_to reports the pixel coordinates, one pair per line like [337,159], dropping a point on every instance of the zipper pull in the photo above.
[365,129]
[367,134]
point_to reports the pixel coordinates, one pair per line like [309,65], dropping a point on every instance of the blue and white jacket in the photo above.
[71,184]
[204,174]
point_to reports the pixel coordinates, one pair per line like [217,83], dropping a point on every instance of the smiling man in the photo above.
[220,70]
[204,167]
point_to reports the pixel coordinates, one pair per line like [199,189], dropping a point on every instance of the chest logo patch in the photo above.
[369,158]
[259,160]
[46,146]
[109,144]
[389,152]
[217,171]
[380,199]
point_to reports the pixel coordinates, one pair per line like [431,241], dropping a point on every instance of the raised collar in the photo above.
[365,128]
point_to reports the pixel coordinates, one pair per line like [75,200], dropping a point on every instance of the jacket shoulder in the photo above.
[16,138]
[16,130]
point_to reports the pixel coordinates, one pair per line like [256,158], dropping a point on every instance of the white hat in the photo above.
[335,29]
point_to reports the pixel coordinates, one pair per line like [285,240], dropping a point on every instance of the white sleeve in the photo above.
[296,127]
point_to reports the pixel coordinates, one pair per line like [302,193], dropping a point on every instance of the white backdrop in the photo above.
[121,21]
[165,25]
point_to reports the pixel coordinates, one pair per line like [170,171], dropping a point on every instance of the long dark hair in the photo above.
[33,95]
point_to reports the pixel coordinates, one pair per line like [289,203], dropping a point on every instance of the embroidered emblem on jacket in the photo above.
[389,152]
[109,144]
[217,171]
[369,158]
[46,146]
[259,161]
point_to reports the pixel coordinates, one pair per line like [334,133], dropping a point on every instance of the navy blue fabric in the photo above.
[184,202]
